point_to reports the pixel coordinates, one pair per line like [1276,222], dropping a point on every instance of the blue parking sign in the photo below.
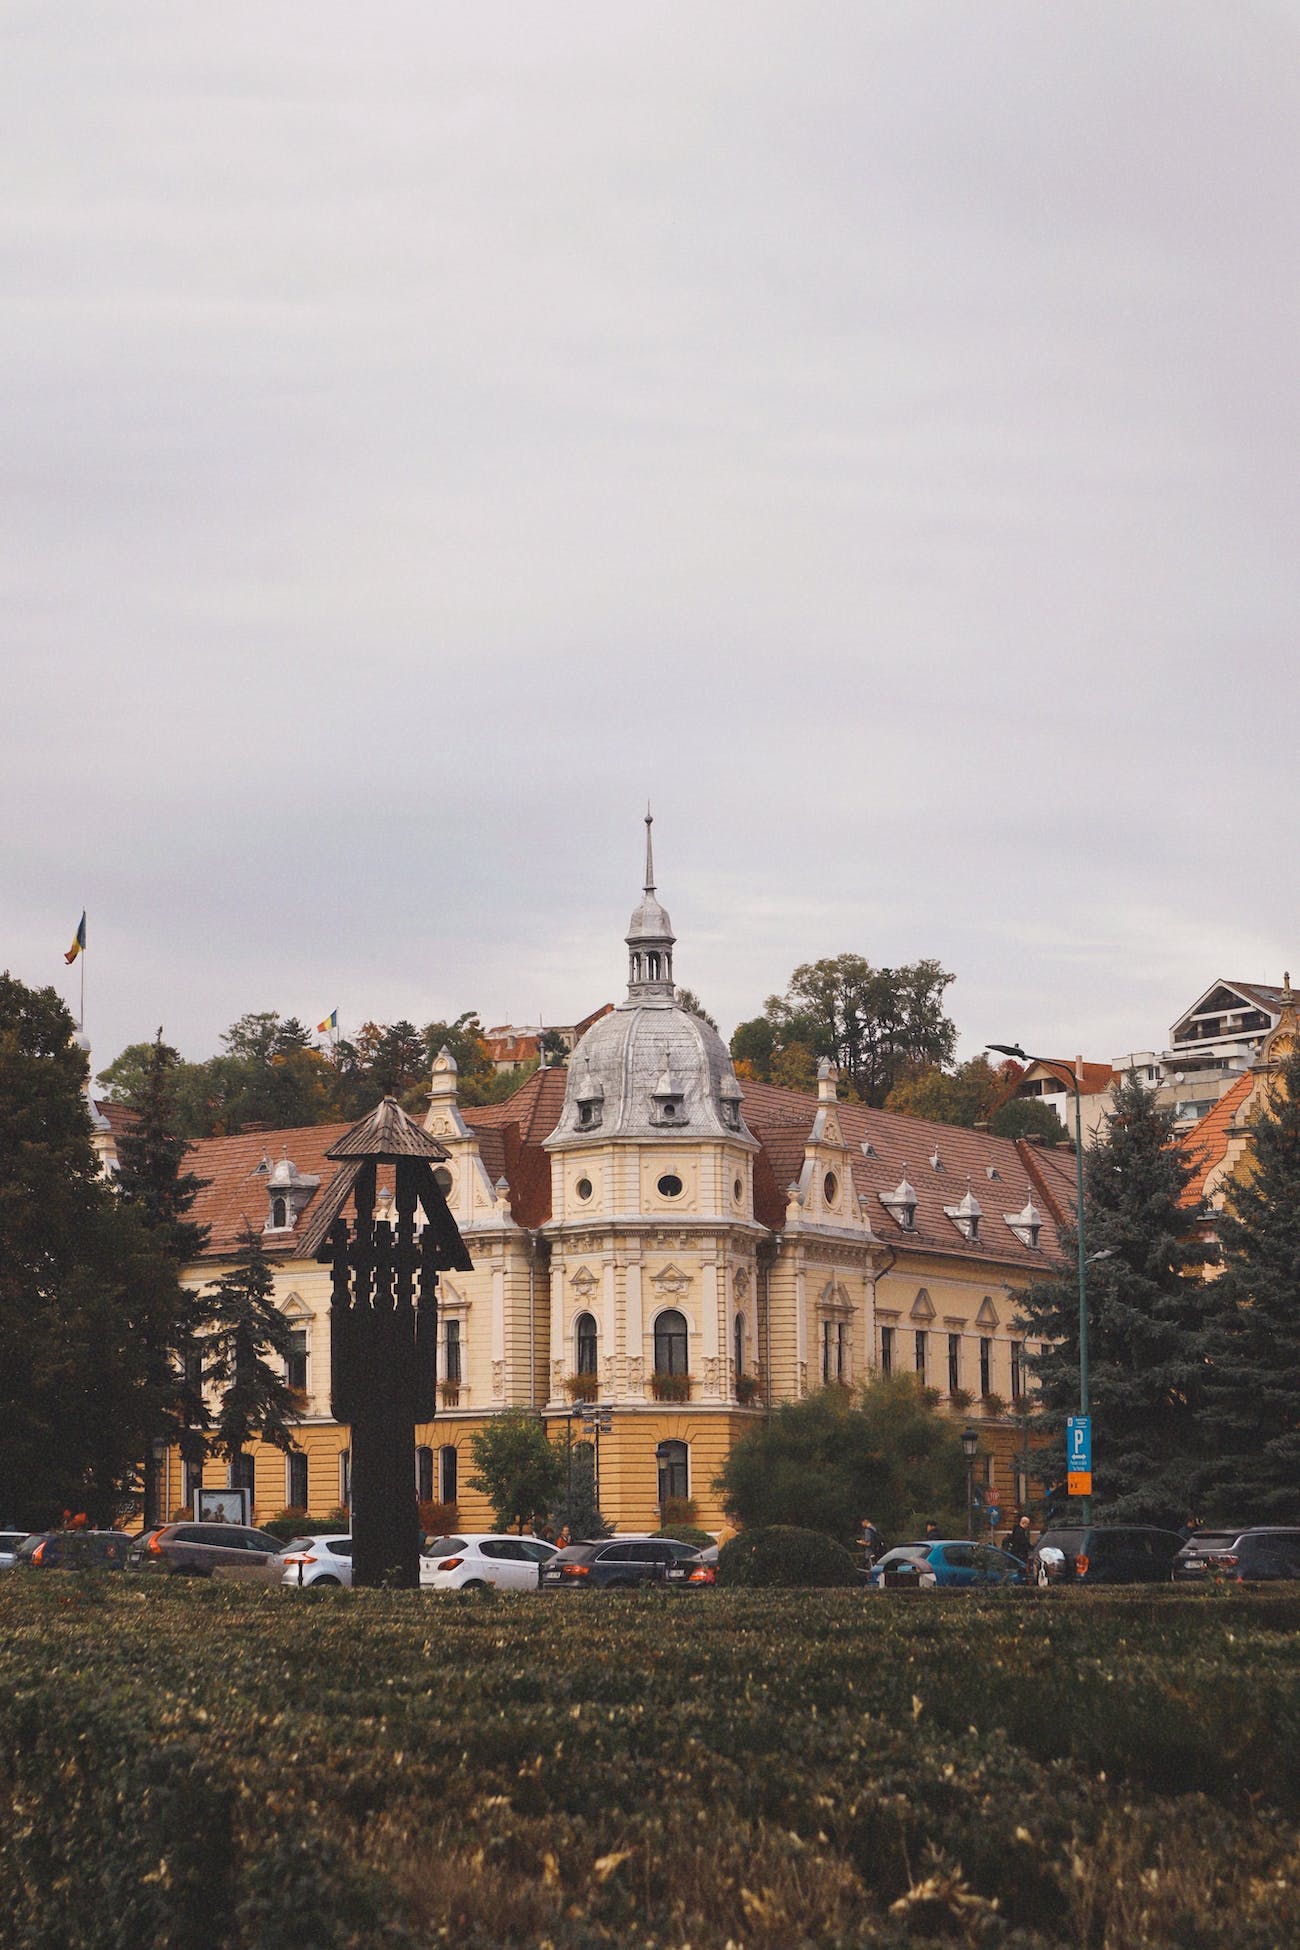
[1078,1455]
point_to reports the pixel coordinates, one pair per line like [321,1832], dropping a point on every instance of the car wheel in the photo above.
[327,1579]
[475,1584]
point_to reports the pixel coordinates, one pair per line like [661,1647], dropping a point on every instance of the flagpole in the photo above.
[82,958]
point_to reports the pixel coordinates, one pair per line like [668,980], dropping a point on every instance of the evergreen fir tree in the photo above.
[1146,1319]
[1252,1414]
[83,1287]
[151,1154]
[244,1327]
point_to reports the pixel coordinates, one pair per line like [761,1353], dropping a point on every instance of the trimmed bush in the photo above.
[686,1533]
[783,1556]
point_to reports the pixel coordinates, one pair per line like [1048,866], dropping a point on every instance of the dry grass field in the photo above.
[201,1767]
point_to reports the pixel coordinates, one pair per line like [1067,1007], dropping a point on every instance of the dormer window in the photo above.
[590,1100]
[901,1204]
[966,1216]
[668,1098]
[729,1097]
[1026,1224]
[288,1191]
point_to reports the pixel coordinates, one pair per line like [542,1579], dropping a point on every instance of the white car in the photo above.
[472,1562]
[9,1542]
[317,1560]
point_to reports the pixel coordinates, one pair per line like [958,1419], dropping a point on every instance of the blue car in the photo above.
[945,1561]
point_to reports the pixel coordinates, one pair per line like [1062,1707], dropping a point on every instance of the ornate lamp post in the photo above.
[970,1443]
[384,1328]
[1064,1070]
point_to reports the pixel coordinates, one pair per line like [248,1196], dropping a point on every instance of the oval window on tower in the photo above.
[670,1185]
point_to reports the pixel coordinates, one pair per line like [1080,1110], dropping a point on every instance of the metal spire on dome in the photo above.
[649,851]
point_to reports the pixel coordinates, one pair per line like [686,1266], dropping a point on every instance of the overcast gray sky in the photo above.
[869,432]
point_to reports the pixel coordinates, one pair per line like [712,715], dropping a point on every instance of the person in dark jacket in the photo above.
[873,1544]
[1018,1543]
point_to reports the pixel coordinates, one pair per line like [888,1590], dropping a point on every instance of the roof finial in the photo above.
[649,854]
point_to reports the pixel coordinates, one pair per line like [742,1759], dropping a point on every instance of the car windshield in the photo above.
[442,1546]
[297,1544]
[1213,1540]
[904,1554]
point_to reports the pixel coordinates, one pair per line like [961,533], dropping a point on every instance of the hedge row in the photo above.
[199,1765]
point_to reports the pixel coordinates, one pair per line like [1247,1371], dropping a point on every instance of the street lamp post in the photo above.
[970,1443]
[1063,1069]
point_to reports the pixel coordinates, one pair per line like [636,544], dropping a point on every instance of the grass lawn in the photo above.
[204,1767]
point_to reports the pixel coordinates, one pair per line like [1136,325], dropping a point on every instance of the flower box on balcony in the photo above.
[747,1389]
[670,1387]
[449,1394]
[582,1387]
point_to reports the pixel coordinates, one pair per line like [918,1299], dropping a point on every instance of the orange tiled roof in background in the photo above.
[1206,1144]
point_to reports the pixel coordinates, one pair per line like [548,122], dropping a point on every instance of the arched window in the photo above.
[448,1474]
[584,1335]
[673,1459]
[740,1345]
[671,1343]
[345,1478]
[278,1214]
[424,1474]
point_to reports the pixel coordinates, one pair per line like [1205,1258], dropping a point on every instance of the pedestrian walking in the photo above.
[1018,1544]
[873,1544]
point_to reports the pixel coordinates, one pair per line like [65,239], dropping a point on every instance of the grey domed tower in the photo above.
[650,1068]
[652,1231]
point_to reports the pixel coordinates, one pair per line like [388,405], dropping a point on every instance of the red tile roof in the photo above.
[1206,1144]
[234,1194]
[511,1138]
[782,1120]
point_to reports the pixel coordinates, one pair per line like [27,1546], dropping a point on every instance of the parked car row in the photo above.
[1098,1554]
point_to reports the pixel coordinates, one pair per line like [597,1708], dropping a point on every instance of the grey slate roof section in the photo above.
[626,1052]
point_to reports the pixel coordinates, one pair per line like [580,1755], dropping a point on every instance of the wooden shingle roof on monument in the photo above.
[387,1133]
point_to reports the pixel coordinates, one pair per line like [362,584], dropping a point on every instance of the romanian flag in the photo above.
[322,1028]
[78,941]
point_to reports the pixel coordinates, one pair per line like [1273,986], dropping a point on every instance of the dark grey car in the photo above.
[1113,1553]
[616,1564]
[1259,1551]
[198,1549]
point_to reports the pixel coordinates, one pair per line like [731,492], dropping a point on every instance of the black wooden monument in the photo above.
[384,1327]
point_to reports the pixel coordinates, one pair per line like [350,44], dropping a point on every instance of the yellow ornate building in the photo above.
[682,1248]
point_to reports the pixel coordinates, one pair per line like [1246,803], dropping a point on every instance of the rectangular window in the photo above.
[345,1478]
[453,1351]
[886,1350]
[986,1367]
[295,1367]
[835,1342]
[920,1353]
[1017,1369]
[954,1363]
[296,1480]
